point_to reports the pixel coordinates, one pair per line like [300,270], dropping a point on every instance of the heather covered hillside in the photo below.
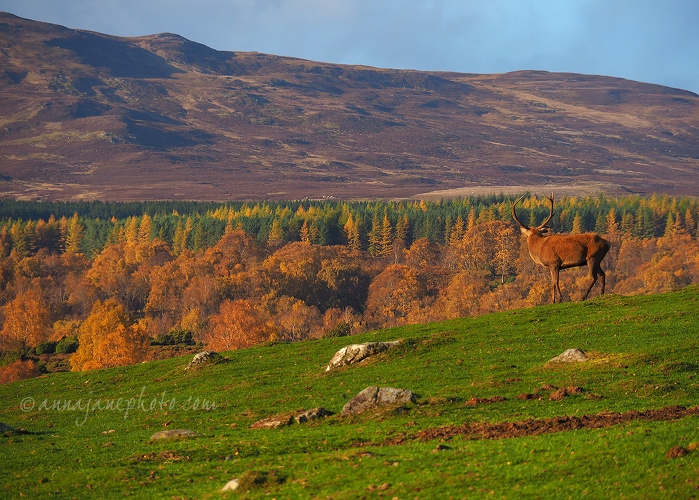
[96,117]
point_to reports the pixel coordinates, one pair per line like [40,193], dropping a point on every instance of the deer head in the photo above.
[541,228]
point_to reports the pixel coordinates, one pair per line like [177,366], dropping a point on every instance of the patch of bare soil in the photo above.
[533,427]
[483,401]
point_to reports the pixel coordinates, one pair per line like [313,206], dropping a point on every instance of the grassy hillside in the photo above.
[88,434]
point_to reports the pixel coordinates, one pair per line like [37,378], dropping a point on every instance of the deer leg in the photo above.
[593,268]
[554,284]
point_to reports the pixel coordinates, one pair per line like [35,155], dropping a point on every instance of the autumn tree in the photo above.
[294,320]
[167,284]
[304,234]
[111,273]
[5,242]
[460,297]
[342,281]
[633,254]
[403,228]
[505,249]
[386,241]
[457,231]
[392,295]
[19,370]
[343,321]
[276,234]
[422,254]
[108,338]
[492,245]
[375,236]
[353,228]
[238,325]
[318,275]
[19,242]
[26,319]
[75,233]
[47,234]
[672,266]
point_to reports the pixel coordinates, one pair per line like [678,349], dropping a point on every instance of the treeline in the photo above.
[361,225]
[234,275]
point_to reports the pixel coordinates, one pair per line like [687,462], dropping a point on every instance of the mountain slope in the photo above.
[86,115]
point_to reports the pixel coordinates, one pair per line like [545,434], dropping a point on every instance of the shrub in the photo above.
[67,345]
[174,337]
[339,330]
[9,357]
[46,347]
[56,365]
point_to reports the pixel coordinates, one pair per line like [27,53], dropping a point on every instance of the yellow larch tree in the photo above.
[108,338]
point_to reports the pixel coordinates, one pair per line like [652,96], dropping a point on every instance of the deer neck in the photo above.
[535,240]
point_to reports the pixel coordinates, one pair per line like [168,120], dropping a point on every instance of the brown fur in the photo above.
[561,251]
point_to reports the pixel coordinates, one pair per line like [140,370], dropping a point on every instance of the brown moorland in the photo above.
[90,116]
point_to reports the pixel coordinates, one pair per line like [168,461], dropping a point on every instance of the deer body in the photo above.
[562,251]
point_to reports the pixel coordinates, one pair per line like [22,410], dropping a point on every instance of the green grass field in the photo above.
[88,434]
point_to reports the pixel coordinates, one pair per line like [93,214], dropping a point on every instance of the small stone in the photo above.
[284,419]
[570,356]
[231,485]
[205,358]
[374,396]
[391,395]
[274,422]
[312,414]
[361,402]
[357,352]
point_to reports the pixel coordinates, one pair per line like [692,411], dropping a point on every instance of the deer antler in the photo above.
[551,212]
[514,213]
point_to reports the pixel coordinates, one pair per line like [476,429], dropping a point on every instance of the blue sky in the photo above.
[655,41]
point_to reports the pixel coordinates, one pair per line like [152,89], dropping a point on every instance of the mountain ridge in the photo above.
[93,116]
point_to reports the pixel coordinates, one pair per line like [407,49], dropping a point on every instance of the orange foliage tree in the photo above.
[294,320]
[460,297]
[26,319]
[107,338]
[19,370]
[237,325]
[392,295]
[321,276]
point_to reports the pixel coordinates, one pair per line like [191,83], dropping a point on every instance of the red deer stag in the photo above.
[561,251]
